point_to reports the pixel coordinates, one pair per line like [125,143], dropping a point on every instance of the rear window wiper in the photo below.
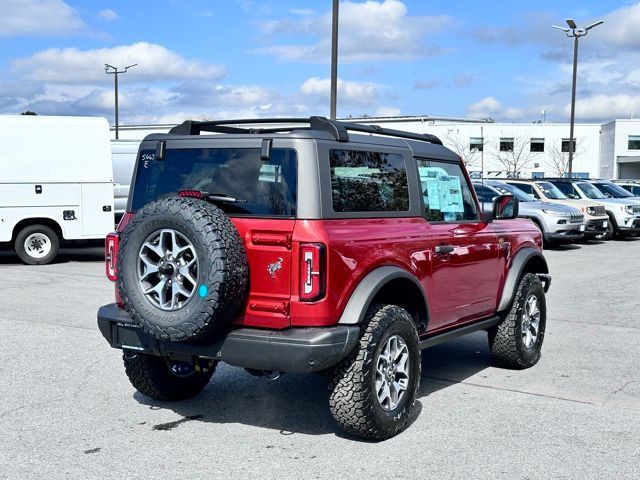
[214,197]
[220,197]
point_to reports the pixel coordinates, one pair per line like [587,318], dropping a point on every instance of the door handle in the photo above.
[442,249]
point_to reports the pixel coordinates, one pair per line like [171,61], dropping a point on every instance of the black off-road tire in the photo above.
[51,236]
[151,376]
[609,233]
[505,339]
[352,397]
[223,273]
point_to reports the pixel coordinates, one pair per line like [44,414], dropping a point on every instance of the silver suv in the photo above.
[558,223]
[623,212]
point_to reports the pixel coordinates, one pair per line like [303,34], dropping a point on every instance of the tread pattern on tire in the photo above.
[351,401]
[227,281]
[505,340]
[151,376]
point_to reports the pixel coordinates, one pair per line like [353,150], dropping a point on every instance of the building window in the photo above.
[475,143]
[537,145]
[506,144]
[634,142]
[565,145]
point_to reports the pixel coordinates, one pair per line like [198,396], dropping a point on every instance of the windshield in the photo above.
[589,190]
[507,189]
[612,190]
[551,191]
[262,187]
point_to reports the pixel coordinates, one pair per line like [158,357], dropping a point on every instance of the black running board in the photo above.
[458,332]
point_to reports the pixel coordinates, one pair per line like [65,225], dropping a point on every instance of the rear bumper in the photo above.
[291,350]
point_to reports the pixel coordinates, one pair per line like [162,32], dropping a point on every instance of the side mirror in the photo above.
[505,207]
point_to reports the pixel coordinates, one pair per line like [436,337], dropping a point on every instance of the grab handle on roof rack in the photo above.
[336,129]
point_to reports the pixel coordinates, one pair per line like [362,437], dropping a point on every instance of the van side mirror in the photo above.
[505,207]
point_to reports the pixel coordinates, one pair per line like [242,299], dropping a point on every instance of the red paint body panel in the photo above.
[461,286]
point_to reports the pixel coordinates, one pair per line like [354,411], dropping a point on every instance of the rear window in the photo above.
[263,187]
[368,181]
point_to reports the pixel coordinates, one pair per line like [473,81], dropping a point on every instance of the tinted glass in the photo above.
[551,191]
[612,190]
[368,181]
[266,188]
[507,189]
[634,142]
[590,191]
[485,194]
[446,193]
[525,187]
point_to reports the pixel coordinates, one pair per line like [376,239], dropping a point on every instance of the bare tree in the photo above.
[461,146]
[514,155]
[560,160]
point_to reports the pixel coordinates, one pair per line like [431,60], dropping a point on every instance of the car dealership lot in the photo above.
[68,410]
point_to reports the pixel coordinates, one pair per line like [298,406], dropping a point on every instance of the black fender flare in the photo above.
[518,264]
[369,286]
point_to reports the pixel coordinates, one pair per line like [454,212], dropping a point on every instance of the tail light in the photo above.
[111,255]
[312,271]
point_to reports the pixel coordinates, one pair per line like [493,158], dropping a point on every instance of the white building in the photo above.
[610,150]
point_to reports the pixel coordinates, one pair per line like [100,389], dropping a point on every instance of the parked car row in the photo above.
[567,209]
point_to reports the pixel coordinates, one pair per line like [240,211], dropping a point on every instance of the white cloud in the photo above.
[108,15]
[386,112]
[621,27]
[39,17]
[598,107]
[491,107]
[370,30]
[70,65]
[348,92]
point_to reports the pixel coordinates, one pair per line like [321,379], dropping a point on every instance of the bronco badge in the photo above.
[273,268]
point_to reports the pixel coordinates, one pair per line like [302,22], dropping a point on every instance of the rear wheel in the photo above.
[372,391]
[164,379]
[37,245]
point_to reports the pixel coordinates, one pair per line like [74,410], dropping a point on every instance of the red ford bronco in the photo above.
[311,245]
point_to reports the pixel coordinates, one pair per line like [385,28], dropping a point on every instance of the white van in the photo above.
[56,182]
[123,154]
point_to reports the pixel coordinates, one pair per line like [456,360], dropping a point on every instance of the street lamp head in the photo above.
[130,66]
[599,22]
[571,23]
[564,29]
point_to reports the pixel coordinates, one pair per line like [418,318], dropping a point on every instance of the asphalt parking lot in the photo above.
[68,411]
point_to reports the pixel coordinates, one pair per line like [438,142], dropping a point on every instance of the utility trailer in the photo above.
[56,183]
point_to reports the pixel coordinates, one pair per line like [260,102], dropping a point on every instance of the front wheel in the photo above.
[163,379]
[37,245]
[373,390]
[608,233]
[516,342]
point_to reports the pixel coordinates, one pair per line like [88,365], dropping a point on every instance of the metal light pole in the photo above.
[575,32]
[334,59]
[111,70]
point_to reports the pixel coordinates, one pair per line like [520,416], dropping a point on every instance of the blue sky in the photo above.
[244,58]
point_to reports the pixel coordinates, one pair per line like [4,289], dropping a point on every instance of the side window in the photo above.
[635,191]
[525,187]
[446,192]
[485,195]
[565,188]
[368,181]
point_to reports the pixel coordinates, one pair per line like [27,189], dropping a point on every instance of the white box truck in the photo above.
[56,182]
[124,154]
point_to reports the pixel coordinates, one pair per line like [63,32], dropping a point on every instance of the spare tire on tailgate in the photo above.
[182,267]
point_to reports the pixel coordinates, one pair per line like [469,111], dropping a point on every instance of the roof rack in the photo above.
[339,130]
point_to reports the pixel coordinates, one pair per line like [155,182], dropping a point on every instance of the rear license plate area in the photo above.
[130,338]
